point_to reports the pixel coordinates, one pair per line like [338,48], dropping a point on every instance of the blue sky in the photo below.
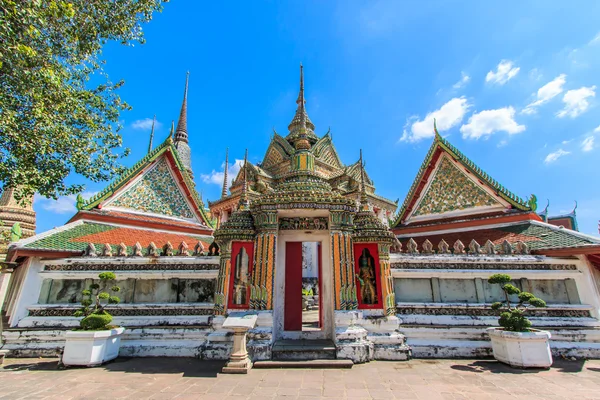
[512,84]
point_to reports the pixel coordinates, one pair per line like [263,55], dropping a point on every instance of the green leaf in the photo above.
[107,276]
[499,278]
[103,296]
[511,289]
[59,111]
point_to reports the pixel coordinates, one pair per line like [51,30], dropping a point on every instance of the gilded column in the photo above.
[387,280]
[222,289]
[342,261]
[261,295]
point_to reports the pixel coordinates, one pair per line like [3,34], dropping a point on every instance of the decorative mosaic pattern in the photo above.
[452,190]
[485,266]
[488,312]
[125,311]
[317,223]
[157,193]
[132,267]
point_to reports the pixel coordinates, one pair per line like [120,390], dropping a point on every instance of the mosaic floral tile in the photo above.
[452,190]
[156,193]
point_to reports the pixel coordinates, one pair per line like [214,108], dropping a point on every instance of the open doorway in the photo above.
[303,286]
[311,287]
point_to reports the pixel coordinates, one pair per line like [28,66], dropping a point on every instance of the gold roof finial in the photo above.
[224,191]
[363,189]
[244,198]
[437,134]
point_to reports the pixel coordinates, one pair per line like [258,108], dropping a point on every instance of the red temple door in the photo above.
[293,287]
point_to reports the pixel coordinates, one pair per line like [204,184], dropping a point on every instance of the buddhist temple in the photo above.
[302,240]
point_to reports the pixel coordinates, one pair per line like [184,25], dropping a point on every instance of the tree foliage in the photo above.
[512,317]
[95,316]
[59,111]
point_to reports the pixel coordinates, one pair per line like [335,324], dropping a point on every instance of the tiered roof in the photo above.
[450,183]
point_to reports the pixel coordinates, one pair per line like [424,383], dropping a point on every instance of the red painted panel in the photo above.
[236,247]
[372,247]
[293,287]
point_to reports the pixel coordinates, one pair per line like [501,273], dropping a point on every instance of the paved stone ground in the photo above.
[182,378]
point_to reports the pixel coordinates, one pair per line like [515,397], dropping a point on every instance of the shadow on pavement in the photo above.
[189,367]
[497,367]
[34,366]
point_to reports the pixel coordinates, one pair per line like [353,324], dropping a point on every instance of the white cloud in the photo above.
[489,121]
[464,79]
[595,40]
[576,101]
[447,116]
[217,177]
[588,143]
[597,129]
[564,142]
[145,124]
[535,74]
[546,93]
[505,71]
[64,204]
[552,157]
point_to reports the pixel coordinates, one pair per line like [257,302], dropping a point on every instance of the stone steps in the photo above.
[316,364]
[298,350]
[434,341]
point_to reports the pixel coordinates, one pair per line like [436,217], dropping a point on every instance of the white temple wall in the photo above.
[27,292]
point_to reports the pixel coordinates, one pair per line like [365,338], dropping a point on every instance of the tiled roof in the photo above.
[171,223]
[536,236]
[441,144]
[166,147]
[78,236]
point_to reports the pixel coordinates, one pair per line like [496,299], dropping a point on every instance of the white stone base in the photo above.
[521,349]
[91,348]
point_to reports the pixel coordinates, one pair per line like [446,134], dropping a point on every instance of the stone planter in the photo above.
[92,348]
[521,349]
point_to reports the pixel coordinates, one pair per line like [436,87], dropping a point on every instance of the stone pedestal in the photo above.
[239,362]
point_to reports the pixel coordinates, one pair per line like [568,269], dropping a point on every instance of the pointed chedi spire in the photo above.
[181,133]
[152,134]
[301,128]
[244,203]
[364,200]
[224,191]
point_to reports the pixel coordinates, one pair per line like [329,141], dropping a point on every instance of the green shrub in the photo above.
[96,321]
[512,317]
[95,317]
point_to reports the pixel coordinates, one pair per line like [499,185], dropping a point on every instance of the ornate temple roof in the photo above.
[448,182]
[74,237]
[178,200]
[540,237]
[301,124]
[268,180]
[568,220]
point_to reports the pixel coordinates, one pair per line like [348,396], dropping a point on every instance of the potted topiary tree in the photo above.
[96,341]
[515,342]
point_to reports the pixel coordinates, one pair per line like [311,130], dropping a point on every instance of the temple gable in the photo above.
[450,189]
[156,192]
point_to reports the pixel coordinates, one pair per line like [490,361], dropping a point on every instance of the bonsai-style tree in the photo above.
[95,317]
[512,317]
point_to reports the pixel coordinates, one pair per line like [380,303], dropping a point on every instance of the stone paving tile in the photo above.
[181,379]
